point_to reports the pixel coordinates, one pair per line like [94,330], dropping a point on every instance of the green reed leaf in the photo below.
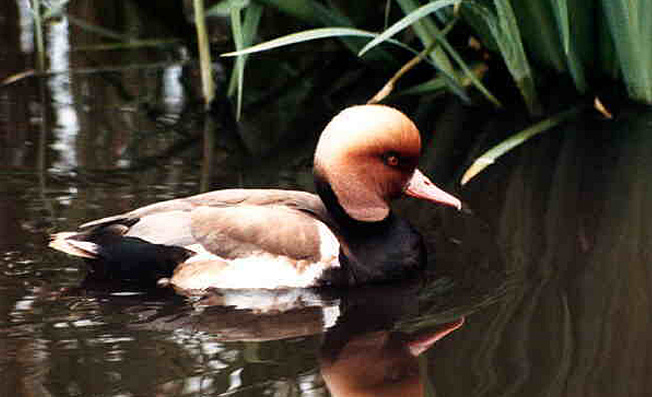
[406,21]
[243,34]
[307,35]
[490,156]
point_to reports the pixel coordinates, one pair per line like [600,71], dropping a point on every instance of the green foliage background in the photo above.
[599,46]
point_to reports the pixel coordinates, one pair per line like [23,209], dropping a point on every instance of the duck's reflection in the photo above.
[380,363]
[363,350]
[367,342]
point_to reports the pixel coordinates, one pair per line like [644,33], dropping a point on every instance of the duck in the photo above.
[344,235]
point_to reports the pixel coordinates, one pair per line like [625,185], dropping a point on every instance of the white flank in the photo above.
[261,270]
[329,247]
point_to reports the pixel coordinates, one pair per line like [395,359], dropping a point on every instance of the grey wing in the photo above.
[169,228]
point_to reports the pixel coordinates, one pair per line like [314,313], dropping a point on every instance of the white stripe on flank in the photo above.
[262,270]
[329,247]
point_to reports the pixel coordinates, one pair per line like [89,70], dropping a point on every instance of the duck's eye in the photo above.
[391,159]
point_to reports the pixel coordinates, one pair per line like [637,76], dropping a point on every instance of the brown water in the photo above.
[549,268]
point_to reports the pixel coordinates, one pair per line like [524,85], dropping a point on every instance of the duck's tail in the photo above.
[66,242]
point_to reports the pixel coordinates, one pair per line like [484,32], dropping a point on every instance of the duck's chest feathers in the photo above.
[381,251]
[371,252]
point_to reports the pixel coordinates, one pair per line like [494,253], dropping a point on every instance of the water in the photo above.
[548,269]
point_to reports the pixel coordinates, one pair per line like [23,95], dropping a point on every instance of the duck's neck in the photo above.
[373,251]
[337,212]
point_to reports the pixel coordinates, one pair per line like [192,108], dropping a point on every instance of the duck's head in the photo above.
[368,155]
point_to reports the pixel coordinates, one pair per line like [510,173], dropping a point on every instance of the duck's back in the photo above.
[243,225]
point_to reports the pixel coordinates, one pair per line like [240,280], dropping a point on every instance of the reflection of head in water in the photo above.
[379,363]
[364,354]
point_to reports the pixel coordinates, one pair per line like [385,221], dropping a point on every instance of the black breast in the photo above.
[382,251]
[372,252]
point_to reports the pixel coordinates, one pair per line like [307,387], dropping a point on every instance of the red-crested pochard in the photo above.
[254,238]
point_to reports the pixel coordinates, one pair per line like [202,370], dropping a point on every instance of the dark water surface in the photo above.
[548,269]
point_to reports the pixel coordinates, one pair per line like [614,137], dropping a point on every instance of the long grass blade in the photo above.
[490,156]
[504,29]
[449,80]
[570,41]
[561,12]
[468,72]
[238,38]
[316,13]
[427,31]
[308,35]
[324,33]
[38,25]
[208,86]
[629,24]
[538,27]
[406,21]
[431,87]
[608,60]
[518,63]
[243,34]
[391,83]
[388,8]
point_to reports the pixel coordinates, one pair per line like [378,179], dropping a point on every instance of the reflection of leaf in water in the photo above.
[574,229]
[507,145]
[443,301]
